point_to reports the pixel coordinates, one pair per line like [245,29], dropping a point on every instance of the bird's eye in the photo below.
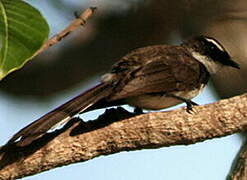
[212,47]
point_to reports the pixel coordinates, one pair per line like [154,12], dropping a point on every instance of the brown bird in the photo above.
[153,77]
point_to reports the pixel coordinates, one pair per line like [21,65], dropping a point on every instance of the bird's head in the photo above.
[209,52]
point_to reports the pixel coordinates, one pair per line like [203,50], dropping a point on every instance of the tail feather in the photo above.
[62,113]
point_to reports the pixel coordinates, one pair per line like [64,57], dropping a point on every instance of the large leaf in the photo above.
[23,30]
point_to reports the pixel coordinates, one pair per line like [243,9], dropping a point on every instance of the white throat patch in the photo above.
[211,65]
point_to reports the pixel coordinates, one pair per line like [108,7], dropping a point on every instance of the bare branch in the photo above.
[240,170]
[83,141]
[79,21]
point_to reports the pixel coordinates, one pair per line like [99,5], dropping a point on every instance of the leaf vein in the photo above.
[5,46]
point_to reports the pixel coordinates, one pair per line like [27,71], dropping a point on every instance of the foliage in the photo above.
[23,31]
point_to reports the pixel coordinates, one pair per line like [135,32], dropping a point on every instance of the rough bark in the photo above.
[240,169]
[79,142]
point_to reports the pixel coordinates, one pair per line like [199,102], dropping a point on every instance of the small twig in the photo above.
[79,21]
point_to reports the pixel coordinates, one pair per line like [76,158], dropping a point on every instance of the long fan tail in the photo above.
[62,113]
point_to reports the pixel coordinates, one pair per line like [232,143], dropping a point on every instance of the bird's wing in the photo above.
[61,114]
[165,73]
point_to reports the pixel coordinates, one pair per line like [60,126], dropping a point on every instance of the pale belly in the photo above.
[155,102]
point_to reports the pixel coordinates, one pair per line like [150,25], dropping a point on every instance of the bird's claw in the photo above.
[190,105]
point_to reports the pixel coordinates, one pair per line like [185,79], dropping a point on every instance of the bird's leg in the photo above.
[189,103]
[138,111]
[76,15]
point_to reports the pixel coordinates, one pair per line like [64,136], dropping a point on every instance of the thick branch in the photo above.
[84,141]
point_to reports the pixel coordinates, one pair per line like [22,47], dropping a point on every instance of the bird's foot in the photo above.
[190,105]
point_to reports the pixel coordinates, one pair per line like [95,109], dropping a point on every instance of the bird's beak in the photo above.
[233,64]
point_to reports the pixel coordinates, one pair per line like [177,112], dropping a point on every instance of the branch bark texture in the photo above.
[152,130]
[240,169]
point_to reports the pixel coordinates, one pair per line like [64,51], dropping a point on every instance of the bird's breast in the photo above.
[161,101]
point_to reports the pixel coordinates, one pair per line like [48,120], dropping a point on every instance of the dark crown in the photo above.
[211,48]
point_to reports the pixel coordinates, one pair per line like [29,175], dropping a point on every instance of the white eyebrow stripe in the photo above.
[215,43]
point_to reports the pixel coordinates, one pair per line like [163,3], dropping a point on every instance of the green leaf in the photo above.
[23,30]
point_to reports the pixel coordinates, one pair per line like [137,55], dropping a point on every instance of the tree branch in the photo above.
[240,169]
[79,142]
[79,21]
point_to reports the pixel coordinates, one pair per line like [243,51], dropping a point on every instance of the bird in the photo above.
[153,77]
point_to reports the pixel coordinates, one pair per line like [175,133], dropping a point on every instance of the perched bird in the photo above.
[153,77]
